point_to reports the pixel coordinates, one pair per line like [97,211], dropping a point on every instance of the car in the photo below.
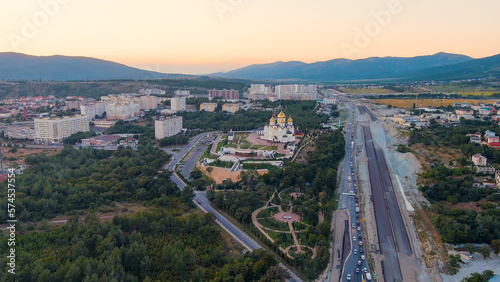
[359,236]
[354,238]
[357,205]
[357,222]
[357,214]
[355,251]
[357,269]
[353,225]
[359,262]
[361,243]
[361,250]
[359,228]
[363,257]
[349,277]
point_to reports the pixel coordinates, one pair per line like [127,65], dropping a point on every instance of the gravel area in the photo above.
[478,265]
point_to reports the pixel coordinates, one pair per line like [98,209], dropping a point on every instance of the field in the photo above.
[472,90]
[367,90]
[429,102]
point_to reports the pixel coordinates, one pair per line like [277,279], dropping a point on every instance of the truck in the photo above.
[368,276]
[357,209]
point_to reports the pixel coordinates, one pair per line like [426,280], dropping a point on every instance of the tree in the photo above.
[485,251]
[470,248]
[210,169]
[495,244]
[479,277]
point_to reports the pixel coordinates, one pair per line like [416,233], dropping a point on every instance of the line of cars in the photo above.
[357,238]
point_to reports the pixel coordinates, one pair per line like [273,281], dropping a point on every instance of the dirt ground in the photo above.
[218,174]
[18,157]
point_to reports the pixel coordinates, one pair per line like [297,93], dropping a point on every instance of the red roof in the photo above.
[494,144]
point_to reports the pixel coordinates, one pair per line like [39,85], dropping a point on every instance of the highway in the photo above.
[353,263]
[202,202]
[391,232]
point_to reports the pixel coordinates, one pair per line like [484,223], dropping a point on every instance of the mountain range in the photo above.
[16,66]
[440,66]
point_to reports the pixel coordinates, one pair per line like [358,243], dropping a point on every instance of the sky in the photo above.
[206,36]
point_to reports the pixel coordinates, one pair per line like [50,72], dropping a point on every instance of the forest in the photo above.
[171,243]
[301,112]
[79,179]
[452,183]
[316,178]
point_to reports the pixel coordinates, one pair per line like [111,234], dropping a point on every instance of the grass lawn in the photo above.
[271,148]
[267,212]
[257,147]
[273,224]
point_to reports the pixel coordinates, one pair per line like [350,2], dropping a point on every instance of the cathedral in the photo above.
[281,131]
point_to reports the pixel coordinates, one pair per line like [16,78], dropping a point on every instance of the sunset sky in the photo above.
[204,36]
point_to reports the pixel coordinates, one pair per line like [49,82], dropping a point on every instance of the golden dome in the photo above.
[290,119]
[272,119]
[281,115]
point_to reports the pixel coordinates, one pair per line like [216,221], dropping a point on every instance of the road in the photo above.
[201,201]
[348,223]
[391,232]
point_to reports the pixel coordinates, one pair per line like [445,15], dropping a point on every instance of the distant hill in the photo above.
[16,66]
[347,70]
[484,67]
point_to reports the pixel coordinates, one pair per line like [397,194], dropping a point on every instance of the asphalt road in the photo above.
[201,200]
[390,264]
[351,249]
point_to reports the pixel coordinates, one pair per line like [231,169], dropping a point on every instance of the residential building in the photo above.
[494,145]
[485,169]
[4,113]
[475,139]
[296,92]
[153,91]
[122,111]
[488,133]
[224,94]
[493,139]
[497,178]
[148,102]
[55,130]
[209,107]
[231,108]
[182,93]
[93,109]
[168,126]
[479,160]
[20,131]
[178,104]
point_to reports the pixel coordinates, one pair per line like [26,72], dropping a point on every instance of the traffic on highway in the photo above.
[355,267]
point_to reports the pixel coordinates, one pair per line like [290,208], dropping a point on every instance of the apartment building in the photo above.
[20,131]
[93,109]
[224,94]
[55,130]
[178,104]
[231,108]
[122,111]
[209,107]
[148,102]
[168,126]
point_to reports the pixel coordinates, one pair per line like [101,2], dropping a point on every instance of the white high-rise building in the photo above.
[122,111]
[296,92]
[178,104]
[148,102]
[55,130]
[93,109]
[168,126]
[182,92]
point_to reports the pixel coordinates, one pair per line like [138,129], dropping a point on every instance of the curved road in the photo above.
[202,202]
